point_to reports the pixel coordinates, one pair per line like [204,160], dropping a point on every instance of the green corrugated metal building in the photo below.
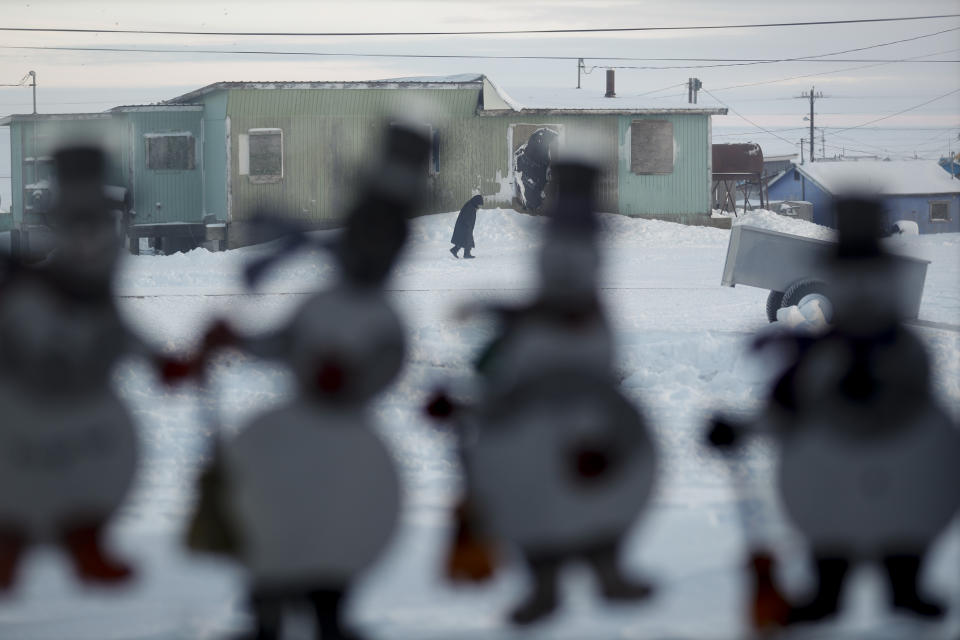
[230,149]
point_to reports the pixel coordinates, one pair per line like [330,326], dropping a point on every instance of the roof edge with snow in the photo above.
[461,81]
[24,117]
[496,101]
[887,178]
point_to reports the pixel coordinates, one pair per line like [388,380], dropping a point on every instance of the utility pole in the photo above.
[579,69]
[801,150]
[33,82]
[823,145]
[812,95]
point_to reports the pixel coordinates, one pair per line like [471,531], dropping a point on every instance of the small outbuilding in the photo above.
[916,190]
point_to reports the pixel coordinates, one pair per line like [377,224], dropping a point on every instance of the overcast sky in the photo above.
[71,81]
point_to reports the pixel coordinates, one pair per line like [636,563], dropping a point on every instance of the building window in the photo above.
[38,169]
[171,151]
[261,155]
[651,147]
[939,212]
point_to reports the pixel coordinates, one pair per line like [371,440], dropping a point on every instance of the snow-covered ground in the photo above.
[682,356]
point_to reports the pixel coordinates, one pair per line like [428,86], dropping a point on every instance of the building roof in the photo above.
[893,177]
[20,117]
[531,100]
[780,158]
[495,99]
[460,81]
[559,101]
[134,108]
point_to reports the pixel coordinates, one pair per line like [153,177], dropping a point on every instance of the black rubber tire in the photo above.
[796,291]
[774,300]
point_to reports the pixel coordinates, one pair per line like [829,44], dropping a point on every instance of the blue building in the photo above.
[917,190]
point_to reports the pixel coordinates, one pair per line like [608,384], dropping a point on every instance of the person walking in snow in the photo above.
[463,229]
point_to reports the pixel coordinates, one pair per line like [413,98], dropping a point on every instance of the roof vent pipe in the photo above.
[610,85]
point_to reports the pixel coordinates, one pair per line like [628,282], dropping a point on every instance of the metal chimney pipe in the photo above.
[610,85]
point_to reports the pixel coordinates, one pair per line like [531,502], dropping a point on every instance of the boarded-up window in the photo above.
[171,151]
[939,212]
[265,155]
[651,146]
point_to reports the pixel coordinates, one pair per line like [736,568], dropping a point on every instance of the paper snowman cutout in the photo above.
[68,444]
[869,463]
[310,490]
[560,464]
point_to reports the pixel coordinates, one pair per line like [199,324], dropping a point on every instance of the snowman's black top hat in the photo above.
[376,229]
[80,165]
[859,228]
[574,210]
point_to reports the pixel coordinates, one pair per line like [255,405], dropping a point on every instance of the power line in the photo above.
[725,61]
[647,93]
[769,131]
[917,106]
[477,32]
[825,73]
[746,118]
[895,128]
[820,57]
[720,61]
[816,57]
[751,62]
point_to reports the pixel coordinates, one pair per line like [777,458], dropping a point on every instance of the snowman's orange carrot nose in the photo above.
[769,610]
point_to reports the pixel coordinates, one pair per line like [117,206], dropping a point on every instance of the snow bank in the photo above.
[682,353]
[775,222]
[623,230]
[506,227]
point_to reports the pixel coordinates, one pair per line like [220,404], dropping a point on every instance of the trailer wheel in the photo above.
[774,301]
[800,289]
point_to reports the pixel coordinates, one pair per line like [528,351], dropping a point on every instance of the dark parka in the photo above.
[463,229]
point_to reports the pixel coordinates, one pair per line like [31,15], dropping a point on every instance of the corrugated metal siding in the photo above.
[43,137]
[178,193]
[215,154]
[687,189]
[328,136]
[16,173]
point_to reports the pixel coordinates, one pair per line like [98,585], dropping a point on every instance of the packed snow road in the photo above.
[682,355]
